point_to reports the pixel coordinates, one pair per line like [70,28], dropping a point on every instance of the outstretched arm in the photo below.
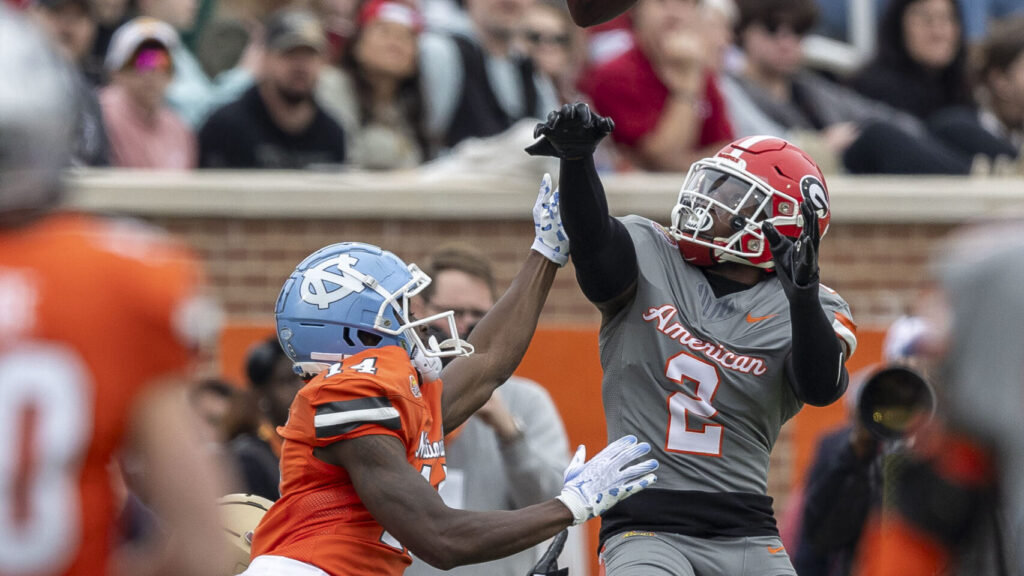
[501,337]
[181,484]
[412,512]
[499,340]
[815,366]
[603,252]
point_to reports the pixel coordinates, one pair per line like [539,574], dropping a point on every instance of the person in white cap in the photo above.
[144,132]
[192,93]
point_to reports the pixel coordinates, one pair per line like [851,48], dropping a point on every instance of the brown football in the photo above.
[592,12]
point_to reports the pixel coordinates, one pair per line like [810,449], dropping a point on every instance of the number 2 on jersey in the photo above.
[706,438]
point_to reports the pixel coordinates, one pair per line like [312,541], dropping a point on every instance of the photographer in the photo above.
[845,483]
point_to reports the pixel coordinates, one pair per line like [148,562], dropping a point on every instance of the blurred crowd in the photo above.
[394,84]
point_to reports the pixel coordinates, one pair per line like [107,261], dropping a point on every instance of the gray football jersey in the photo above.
[698,377]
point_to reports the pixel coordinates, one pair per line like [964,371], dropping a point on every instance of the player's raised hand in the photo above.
[571,132]
[796,263]
[429,367]
[550,240]
[593,487]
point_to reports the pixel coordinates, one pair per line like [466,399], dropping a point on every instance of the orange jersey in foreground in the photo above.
[319,518]
[90,310]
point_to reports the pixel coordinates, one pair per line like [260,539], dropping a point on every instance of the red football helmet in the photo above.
[749,182]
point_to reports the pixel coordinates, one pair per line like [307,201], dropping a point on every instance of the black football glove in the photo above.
[570,133]
[796,263]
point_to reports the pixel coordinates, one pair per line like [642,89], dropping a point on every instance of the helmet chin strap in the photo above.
[309,369]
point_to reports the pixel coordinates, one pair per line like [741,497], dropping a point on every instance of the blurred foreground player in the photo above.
[715,331]
[364,445]
[958,499]
[96,318]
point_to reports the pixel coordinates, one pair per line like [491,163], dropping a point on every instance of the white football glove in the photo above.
[429,366]
[591,489]
[551,241]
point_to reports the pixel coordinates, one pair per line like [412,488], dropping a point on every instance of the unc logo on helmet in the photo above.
[345,298]
[315,281]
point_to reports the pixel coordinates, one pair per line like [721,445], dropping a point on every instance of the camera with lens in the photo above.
[894,401]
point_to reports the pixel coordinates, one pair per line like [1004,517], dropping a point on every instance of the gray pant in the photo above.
[639,553]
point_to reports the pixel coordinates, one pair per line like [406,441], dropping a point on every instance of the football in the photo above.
[239,515]
[593,12]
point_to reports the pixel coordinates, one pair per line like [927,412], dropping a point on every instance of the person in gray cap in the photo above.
[277,123]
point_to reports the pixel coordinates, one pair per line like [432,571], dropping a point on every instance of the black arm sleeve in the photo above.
[815,364]
[601,248]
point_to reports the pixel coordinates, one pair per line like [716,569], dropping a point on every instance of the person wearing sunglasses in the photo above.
[775,94]
[144,132]
[554,44]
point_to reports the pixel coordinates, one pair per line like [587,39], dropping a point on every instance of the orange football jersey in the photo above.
[319,519]
[90,310]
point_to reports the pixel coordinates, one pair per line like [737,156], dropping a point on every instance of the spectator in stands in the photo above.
[920,65]
[144,132]
[108,15]
[71,26]
[68,25]
[511,452]
[667,109]
[192,93]
[921,68]
[274,384]
[376,96]
[556,46]
[340,20]
[773,94]
[1001,82]
[278,123]
[478,85]
[718,19]
[980,14]
[211,401]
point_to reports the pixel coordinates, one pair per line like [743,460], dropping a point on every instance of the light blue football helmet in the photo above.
[345,298]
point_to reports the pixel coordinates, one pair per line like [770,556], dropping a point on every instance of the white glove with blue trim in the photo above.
[429,366]
[592,488]
[551,241]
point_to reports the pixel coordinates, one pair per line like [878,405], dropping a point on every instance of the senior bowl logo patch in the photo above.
[665,234]
[414,386]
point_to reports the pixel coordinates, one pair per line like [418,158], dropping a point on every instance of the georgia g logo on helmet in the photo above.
[314,288]
[814,192]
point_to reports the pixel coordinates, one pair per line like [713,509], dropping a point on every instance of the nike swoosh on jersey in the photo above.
[775,550]
[756,319]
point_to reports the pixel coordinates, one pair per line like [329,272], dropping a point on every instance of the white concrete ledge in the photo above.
[411,195]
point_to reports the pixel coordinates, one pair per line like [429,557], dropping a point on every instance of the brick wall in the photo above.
[878,268]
